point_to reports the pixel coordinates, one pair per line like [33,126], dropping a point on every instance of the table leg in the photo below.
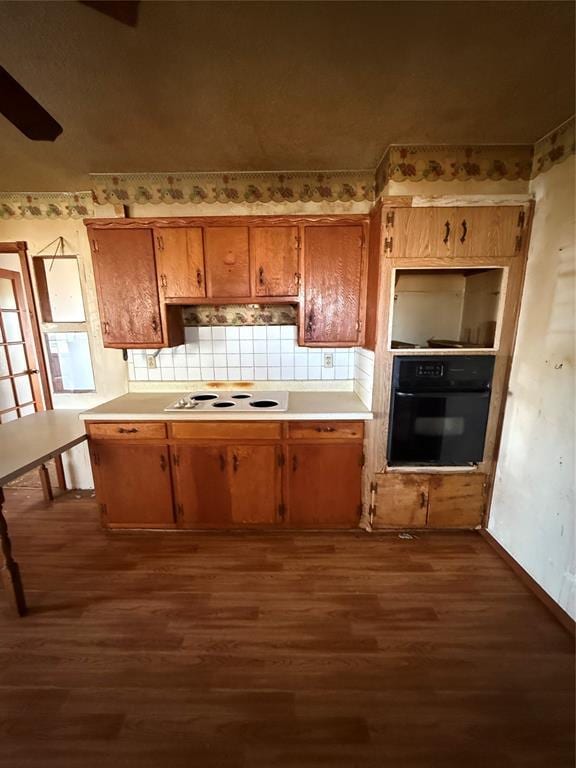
[9,570]
[60,473]
[46,484]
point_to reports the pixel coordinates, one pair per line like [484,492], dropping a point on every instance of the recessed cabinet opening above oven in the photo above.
[447,308]
[439,409]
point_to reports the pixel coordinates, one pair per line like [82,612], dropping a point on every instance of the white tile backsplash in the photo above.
[253,353]
[364,375]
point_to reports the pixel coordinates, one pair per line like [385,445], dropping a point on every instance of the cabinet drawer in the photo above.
[128,430]
[326,430]
[227,430]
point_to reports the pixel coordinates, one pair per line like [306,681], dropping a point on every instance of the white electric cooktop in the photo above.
[231,401]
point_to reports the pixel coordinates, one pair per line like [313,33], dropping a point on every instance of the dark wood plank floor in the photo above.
[253,650]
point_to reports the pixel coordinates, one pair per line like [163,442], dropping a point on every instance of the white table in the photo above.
[27,443]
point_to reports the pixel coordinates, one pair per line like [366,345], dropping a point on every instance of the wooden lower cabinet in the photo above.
[432,501]
[401,501]
[194,474]
[133,484]
[456,501]
[324,485]
[227,486]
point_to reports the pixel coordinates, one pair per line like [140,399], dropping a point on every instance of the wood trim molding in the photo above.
[223,221]
[557,611]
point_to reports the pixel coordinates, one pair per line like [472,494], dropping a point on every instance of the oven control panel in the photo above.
[430,370]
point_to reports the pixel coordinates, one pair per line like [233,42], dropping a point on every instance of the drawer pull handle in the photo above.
[325,429]
[261,276]
[126,431]
[155,325]
[222,462]
[446,233]
[199,278]
[235,462]
[422,500]
[464,232]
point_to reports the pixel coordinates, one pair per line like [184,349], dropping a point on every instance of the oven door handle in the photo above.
[442,394]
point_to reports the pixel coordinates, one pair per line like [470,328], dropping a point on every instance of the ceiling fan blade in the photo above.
[124,11]
[24,112]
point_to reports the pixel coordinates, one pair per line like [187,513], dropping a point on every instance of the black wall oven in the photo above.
[439,409]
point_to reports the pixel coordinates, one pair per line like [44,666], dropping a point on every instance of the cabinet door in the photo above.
[180,262]
[324,485]
[456,501]
[488,232]
[227,486]
[201,484]
[402,501]
[227,262]
[254,480]
[274,258]
[333,285]
[133,482]
[420,233]
[125,272]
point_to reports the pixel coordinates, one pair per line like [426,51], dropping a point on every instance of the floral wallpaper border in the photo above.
[554,148]
[448,163]
[277,187]
[400,163]
[46,205]
[240,314]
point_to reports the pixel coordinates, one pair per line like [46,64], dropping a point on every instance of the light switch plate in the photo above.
[328,361]
[151,361]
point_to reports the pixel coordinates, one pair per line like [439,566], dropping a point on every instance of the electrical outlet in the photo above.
[151,360]
[328,361]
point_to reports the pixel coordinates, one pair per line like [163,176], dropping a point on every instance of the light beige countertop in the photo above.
[27,442]
[149,406]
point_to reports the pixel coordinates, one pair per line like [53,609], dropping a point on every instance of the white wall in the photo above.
[480,308]
[533,509]
[427,306]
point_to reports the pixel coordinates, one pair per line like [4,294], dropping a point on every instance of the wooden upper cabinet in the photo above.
[227,262]
[274,254]
[334,285]
[474,233]
[180,262]
[125,272]
[418,233]
[488,232]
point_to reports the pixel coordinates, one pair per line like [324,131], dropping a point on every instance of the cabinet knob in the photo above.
[199,278]
[155,325]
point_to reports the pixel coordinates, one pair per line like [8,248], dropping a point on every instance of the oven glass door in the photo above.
[438,427]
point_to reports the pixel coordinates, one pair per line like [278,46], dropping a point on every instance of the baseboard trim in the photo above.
[559,613]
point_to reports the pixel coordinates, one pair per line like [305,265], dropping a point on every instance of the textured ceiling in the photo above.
[278,85]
